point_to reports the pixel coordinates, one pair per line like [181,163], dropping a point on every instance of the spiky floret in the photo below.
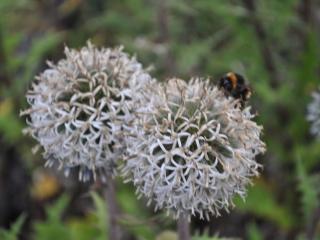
[314,114]
[194,151]
[79,106]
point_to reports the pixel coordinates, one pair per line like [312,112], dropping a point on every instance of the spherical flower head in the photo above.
[79,106]
[314,114]
[195,151]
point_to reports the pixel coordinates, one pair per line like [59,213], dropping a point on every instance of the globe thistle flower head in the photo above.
[314,114]
[196,151]
[79,106]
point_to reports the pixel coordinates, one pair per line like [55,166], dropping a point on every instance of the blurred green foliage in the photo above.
[14,231]
[181,38]
[262,203]
[52,228]
[92,226]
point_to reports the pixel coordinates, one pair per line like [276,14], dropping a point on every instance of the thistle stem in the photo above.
[312,226]
[261,33]
[114,210]
[183,228]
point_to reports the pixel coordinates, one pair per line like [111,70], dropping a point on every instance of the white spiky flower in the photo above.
[314,114]
[79,106]
[194,151]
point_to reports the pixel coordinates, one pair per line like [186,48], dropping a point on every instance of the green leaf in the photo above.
[137,219]
[308,190]
[261,202]
[36,56]
[101,212]
[13,232]
[190,55]
[10,125]
[204,237]
[253,232]
[84,229]
[53,228]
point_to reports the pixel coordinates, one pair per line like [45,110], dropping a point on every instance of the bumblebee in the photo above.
[235,85]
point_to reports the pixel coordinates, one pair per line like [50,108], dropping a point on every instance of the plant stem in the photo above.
[306,11]
[114,210]
[265,48]
[183,228]
[3,61]
[163,23]
[312,226]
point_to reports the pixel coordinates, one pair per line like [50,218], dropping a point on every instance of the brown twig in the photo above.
[183,228]
[266,51]
[114,210]
[163,33]
[3,71]
[312,227]
[305,9]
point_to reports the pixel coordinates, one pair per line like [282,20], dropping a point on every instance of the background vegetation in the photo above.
[275,44]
